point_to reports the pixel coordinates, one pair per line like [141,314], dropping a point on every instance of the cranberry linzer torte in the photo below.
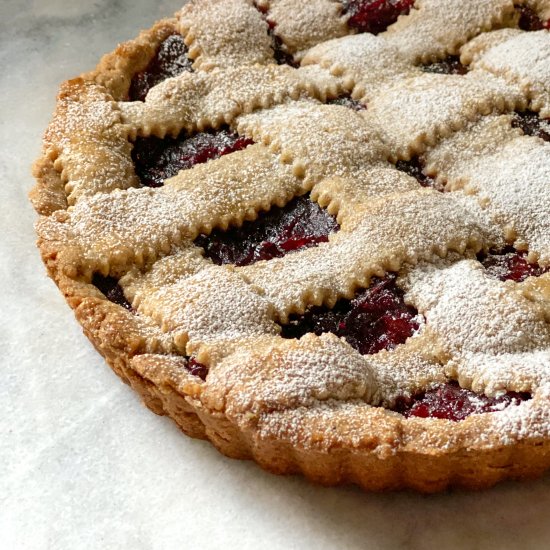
[317,233]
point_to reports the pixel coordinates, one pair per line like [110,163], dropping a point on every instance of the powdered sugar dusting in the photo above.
[524,58]
[213,305]
[435,28]
[530,420]
[326,141]
[301,25]
[184,262]
[369,61]
[516,181]
[288,373]
[475,48]
[433,105]
[545,126]
[478,139]
[92,150]
[496,337]
[411,367]
[241,39]
[510,173]
[318,391]
[352,423]
[81,108]
[96,166]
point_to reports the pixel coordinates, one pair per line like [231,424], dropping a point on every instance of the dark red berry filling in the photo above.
[375,16]
[170,60]
[451,402]
[112,290]
[529,20]
[196,368]
[376,319]
[451,65]
[300,224]
[347,101]
[158,159]
[531,124]
[510,264]
[415,168]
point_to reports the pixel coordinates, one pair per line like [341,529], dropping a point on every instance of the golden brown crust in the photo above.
[241,40]
[116,69]
[310,405]
[302,25]
[419,469]
[435,29]
[48,195]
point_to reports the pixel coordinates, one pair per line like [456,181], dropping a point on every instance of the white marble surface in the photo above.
[82,463]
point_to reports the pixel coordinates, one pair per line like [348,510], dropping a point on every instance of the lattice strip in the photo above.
[289,373]
[207,100]
[90,147]
[497,163]
[541,7]
[431,106]
[367,63]
[241,39]
[301,25]
[185,262]
[140,224]
[407,227]
[524,60]
[214,305]
[322,141]
[497,339]
[435,28]
[348,198]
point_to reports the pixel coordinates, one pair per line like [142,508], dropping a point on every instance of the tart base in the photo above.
[393,456]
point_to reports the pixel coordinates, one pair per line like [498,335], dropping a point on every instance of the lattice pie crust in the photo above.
[315,405]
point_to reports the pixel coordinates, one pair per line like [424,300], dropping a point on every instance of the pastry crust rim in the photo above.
[372,465]
[474,467]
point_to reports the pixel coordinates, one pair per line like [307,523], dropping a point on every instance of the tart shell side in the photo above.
[140,357]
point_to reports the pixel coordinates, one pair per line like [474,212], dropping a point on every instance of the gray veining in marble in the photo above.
[82,463]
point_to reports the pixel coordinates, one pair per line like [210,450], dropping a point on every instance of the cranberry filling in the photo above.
[377,318]
[157,159]
[415,168]
[529,20]
[375,16]
[347,101]
[509,264]
[170,60]
[300,224]
[451,402]
[451,65]
[112,290]
[531,124]
[196,368]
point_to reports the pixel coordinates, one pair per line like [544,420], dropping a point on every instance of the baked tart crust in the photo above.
[203,343]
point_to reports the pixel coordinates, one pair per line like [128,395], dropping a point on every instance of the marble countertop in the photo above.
[83,463]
